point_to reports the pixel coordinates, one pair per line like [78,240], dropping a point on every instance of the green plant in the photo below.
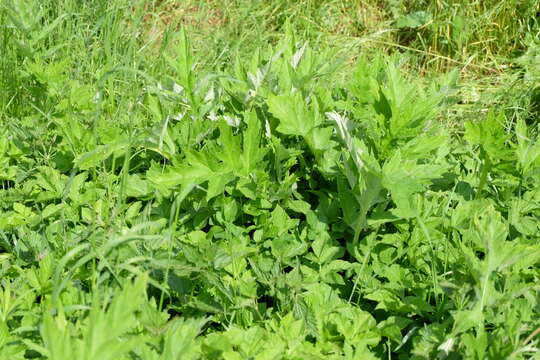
[166,198]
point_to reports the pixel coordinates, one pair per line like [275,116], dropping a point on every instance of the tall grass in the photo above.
[482,35]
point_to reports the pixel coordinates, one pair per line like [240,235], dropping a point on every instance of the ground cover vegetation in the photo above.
[269,179]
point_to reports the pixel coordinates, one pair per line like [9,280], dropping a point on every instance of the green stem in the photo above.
[486,167]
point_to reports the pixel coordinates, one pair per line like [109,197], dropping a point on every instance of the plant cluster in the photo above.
[269,209]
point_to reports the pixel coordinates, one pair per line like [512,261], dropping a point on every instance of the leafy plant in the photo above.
[271,199]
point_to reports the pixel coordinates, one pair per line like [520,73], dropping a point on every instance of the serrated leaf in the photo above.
[293,114]
[137,187]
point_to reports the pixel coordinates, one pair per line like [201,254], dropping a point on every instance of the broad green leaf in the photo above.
[137,187]
[528,151]
[295,118]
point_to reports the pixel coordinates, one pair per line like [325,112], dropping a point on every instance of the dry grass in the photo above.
[166,16]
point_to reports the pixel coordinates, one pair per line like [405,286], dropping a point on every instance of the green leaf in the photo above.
[286,247]
[528,151]
[253,153]
[490,135]
[414,20]
[293,114]
[180,340]
[137,187]
[95,157]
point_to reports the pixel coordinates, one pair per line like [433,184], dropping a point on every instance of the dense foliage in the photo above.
[285,205]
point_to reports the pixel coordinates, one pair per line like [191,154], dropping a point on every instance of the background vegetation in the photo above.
[269,179]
